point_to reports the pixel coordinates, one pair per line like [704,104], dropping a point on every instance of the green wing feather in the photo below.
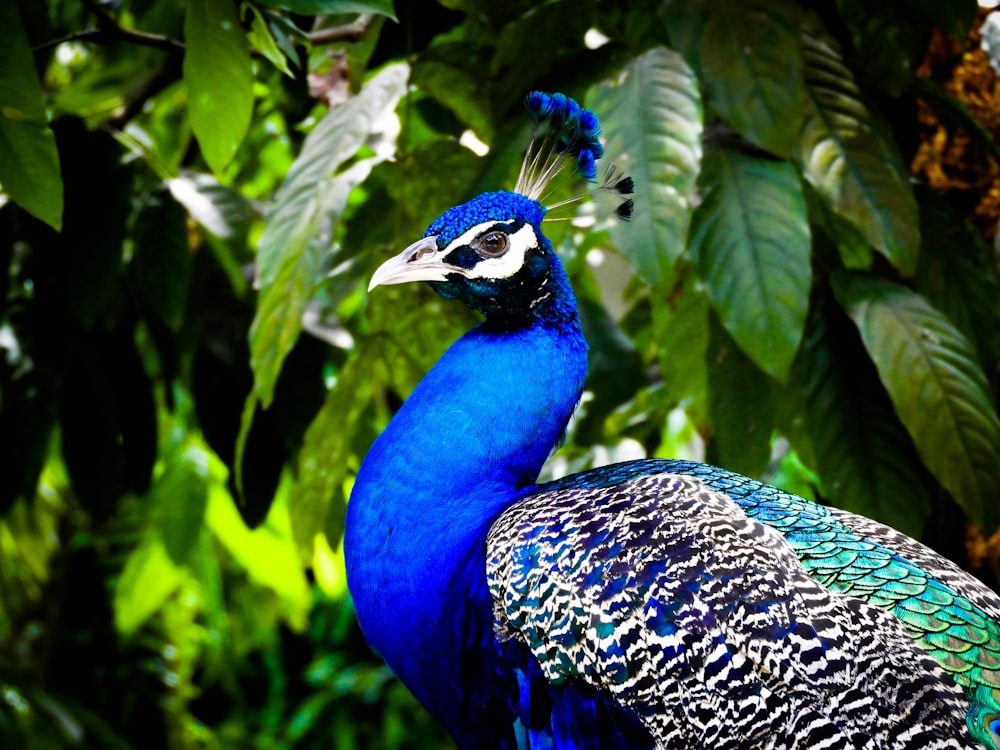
[955,617]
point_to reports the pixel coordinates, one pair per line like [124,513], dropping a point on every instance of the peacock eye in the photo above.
[491,244]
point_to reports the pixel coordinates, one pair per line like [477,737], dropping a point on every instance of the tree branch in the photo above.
[109,32]
[353,32]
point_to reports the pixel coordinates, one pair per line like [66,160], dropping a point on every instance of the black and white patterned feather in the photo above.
[663,595]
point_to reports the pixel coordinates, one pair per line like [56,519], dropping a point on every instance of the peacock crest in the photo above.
[563,133]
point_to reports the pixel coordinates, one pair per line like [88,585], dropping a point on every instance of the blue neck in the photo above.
[465,445]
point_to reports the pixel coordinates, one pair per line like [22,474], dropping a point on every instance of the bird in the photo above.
[655,603]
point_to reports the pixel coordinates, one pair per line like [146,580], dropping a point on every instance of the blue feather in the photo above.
[586,165]
[562,130]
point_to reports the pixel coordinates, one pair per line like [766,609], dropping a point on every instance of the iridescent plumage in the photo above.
[649,604]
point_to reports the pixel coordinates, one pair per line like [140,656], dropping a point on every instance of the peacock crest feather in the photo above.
[563,133]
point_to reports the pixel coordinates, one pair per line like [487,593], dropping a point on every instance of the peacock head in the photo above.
[490,252]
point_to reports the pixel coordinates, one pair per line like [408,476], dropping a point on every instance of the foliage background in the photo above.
[195,193]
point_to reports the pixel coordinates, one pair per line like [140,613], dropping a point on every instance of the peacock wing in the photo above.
[661,596]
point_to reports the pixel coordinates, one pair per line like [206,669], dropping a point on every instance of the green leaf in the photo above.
[221,210]
[939,391]
[863,455]
[447,73]
[20,90]
[180,496]
[287,35]
[219,78]
[851,163]
[298,229]
[359,54]
[652,119]
[334,7]
[749,59]
[957,276]
[264,41]
[529,46]
[161,265]
[99,89]
[326,449]
[835,236]
[614,369]
[148,580]
[29,169]
[680,328]
[740,406]
[29,159]
[750,241]
[441,168]
[268,553]
[889,38]
[28,404]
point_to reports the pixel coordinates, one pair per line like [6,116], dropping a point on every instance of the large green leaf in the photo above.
[863,455]
[889,44]
[298,231]
[681,330]
[221,210]
[652,118]
[937,388]
[219,78]
[29,159]
[750,241]
[529,46]
[956,275]
[181,496]
[749,59]
[267,553]
[851,163]
[325,457]
[161,265]
[452,74]
[262,37]
[740,406]
[614,372]
[834,236]
[150,577]
[430,178]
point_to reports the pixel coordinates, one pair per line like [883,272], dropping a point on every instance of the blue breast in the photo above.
[465,445]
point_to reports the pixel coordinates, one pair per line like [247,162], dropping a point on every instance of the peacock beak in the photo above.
[421,261]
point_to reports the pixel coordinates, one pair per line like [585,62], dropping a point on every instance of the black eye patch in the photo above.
[463,257]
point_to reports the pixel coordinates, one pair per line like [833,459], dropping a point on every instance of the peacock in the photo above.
[649,604]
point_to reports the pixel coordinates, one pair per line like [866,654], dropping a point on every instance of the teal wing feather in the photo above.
[667,598]
[953,616]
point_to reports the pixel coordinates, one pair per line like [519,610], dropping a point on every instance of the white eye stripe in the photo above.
[470,234]
[507,264]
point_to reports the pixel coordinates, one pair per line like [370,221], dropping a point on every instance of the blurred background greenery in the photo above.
[194,194]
